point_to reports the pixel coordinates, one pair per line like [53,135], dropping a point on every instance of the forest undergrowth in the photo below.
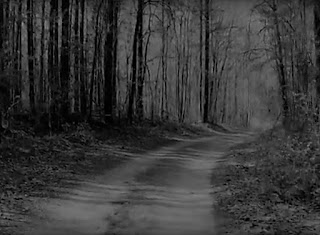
[31,166]
[271,186]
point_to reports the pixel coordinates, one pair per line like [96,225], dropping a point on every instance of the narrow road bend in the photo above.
[165,192]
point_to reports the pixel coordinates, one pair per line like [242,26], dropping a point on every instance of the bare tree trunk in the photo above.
[97,41]
[280,64]
[201,60]
[187,67]
[115,56]
[83,94]
[235,97]
[76,57]
[179,76]
[53,60]
[207,61]
[2,26]
[65,68]
[53,40]
[31,55]
[133,88]
[3,88]
[317,42]
[224,103]
[146,43]
[110,61]
[42,81]
[164,101]
[140,110]
[18,56]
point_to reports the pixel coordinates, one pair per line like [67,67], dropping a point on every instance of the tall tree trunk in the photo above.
[236,108]
[64,66]
[31,55]
[97,41]
[133,87]
[42,72]
[76,57]
[2,85]
[56,41]
[53,65]
[281,65]
[317,43]
[146,42]
[115,56]
[225,102]
[201,60]
[207,61]
[140,110]
[2,27]
[83,94]
[108,63]
[18,52]
[53,46]
[163,62]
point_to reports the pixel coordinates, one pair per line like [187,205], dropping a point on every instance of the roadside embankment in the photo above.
[270,186]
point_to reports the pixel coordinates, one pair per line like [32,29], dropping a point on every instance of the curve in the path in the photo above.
[166,192]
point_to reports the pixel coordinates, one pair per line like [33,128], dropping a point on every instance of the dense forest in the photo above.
[178,106]
[186,61]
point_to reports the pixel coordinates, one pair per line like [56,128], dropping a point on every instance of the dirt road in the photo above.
[163,192]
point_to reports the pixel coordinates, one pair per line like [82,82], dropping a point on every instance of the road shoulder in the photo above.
[267,187]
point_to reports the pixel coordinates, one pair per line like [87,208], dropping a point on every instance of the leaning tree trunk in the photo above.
[281,66]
